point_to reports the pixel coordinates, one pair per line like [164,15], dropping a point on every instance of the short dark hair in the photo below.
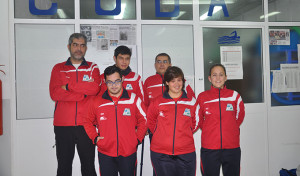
[171,73]
[122,50]
[216,65]
[111,70]
[77,36]
[164,54]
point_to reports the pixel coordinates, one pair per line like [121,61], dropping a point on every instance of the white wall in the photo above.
[5,139]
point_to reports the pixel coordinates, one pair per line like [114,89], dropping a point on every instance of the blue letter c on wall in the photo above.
[35,11]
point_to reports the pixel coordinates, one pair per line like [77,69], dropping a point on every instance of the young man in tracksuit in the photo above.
[171,119]
[132,81]
[120,125]
[221,112]
[72,84]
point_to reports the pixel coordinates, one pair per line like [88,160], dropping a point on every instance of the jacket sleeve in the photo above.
[152,114]
[85,87]
[189,91]
[103,87]
[199,117]
[240,110]
[89,121]
[140,90]
[57,80]
[141,120]
[146,95]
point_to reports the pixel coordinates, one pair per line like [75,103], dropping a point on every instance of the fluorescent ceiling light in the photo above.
[180,14]
[120,16]
[216,9]
[61,13]
[269,14]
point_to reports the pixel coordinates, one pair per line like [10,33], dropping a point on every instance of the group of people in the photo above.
[114,111]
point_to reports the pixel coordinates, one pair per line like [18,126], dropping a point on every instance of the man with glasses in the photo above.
[154,85]
[120,125]
[132,81]
[72,84]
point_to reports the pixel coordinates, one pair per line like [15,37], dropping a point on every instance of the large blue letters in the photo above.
[174,13]
[217,3]
[35,11]
[100,11]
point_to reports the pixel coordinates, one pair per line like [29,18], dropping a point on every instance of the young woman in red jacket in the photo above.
[221,112]
[171,119]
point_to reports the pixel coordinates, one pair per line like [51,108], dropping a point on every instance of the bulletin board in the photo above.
[284,65]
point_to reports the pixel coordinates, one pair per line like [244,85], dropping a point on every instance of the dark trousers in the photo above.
[174,165]
[212,160]
[110,166]
[150,138]
[66,138]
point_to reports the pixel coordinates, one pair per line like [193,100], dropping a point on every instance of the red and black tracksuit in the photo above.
[70,110]
[132,83]
[220,113]
[172,124]
[122,125]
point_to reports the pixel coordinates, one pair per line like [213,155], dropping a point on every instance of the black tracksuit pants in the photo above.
[174,165]
[111,166]
[66,138]
[212,160]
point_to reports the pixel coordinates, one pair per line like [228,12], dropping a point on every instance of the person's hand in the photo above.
[64,87]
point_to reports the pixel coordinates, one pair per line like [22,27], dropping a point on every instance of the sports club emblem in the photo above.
[187,112]
[86,78]
[129,87]
[126,112]
[229,107]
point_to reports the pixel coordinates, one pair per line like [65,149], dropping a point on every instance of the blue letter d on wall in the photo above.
[100,11]
[35,11]
[174,13]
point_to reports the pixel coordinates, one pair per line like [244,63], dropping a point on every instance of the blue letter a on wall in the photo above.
[100,11]
[35,11]
[214,3]
[174,13]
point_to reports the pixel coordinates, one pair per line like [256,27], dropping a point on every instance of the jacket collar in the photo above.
[167,96]
[82,63]
[216,90]
[162,76]
[123,96]
[126,71]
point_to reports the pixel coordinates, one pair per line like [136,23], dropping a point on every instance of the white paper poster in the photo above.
[287,79]
[232,59]
[279,36]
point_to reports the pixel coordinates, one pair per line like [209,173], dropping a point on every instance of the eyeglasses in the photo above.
[162,61]
[116,82]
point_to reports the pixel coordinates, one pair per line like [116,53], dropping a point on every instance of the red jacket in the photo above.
[71,104]
[172,124]
[220,112]
[154,87]
[132,83]
[122,124]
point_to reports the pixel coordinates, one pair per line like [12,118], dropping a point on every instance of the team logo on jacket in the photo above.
[161,114]
[187,112]
[129,87]
[86,78]
[229,107]
[126,112]
[103,118]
